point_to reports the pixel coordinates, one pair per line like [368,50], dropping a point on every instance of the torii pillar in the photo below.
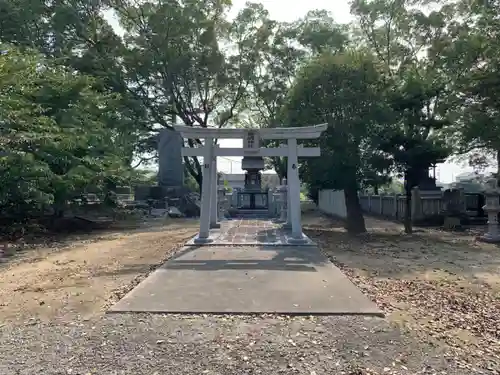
[214,211]
[206,193]
[294,190]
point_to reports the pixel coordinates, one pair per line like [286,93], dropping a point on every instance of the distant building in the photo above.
[233,180]
[470,182]
[468,177]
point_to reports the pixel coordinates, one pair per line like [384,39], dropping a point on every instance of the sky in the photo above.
[289,10]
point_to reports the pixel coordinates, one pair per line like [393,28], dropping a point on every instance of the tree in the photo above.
[341,90]
[411,142]
[474,51]
[289,46]
[74,35]
[409,45]
[56,133]
[186,60]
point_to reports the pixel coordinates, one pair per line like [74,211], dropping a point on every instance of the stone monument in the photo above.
[170,162]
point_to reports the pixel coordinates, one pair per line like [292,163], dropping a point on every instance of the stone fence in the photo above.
[424,204]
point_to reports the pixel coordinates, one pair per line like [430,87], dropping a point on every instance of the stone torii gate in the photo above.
[251,147]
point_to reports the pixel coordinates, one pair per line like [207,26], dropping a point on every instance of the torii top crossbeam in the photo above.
[305,132]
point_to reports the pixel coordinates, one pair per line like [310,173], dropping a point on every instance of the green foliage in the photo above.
[411,142]
[340,90]
[55,134]
[186,61]
[190,182]
[394,187]
[409,46]
[474,51]
[145,177]
[288,47]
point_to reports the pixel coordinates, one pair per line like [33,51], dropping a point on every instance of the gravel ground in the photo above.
[156,344]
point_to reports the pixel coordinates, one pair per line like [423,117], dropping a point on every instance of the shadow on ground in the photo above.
[286,258]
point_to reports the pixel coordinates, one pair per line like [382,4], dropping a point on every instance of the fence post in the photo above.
[396,205]
[381,205]
[369,206]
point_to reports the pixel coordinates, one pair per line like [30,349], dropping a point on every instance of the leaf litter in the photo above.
[443,288]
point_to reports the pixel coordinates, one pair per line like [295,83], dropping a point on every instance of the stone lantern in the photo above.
[222,202]
[283,190]
[492,208]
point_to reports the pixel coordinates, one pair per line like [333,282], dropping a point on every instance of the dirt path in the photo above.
[83,278]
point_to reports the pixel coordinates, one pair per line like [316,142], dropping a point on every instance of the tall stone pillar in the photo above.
[288,206]
[222,203]
[283,202]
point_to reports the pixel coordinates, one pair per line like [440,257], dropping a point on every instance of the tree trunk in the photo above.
[58,208]
[194,170]
[199,179]
[407,218]
[280,166]
[498,167]
[355,219]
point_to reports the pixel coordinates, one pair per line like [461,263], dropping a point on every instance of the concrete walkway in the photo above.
[248,279]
